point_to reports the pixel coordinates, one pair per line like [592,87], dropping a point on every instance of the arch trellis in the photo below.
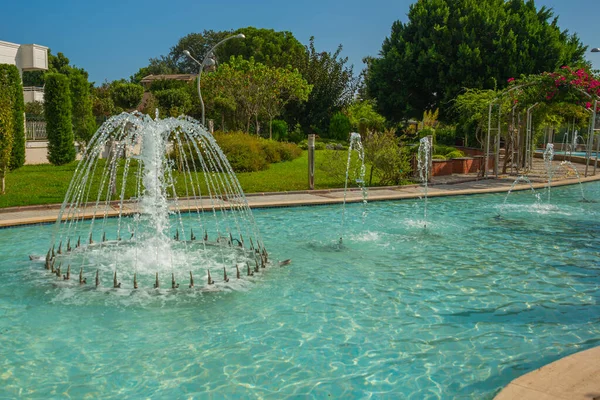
[524,159]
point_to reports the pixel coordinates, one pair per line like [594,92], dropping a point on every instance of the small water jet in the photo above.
[520,178]
[548,157]
[158,180]
[356,145]
[423,162]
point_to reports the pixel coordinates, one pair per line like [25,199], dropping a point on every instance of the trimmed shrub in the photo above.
[270,149]
[279,129]
[446,135]
[243,151]
[289,151]
[57,110]
[455,154]
[126,95]
[173,102]
[339,127]
[84,123]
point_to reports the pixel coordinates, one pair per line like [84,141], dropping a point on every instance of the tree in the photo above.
[339,127]
[57,110]
[449,45]
[84,124]
[58,63]
[282,86]
[126,95]
[363,117]
[7,120]
[17,154]
[333,84]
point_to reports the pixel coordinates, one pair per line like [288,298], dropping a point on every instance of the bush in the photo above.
[438,157]
[166,84]
[126,95]
[455,154]
[289,151]
[279,129]
[339,127]
[297,135]
[57,110]
[173,102]
[270,150]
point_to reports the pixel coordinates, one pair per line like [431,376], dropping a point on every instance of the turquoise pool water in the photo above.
[454,311]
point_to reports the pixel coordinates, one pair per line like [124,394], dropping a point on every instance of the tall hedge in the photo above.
[84,123]
[17,155]
[57,110]
[6,120]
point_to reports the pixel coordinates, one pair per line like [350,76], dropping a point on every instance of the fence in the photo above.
[35,129]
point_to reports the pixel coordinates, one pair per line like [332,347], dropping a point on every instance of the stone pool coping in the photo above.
[576,377]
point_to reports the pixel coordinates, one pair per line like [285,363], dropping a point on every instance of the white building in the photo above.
[30,57]
[27,57]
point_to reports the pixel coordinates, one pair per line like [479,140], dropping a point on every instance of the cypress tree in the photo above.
[57,110]
[6,120]
[84,123]
[17,155]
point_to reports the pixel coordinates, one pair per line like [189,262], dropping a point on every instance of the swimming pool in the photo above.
[454,311]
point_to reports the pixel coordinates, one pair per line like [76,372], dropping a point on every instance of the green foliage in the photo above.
[242,91]
[164,84]
[364,118]
[454,154]
[390,161]
[247,153]
[57,64]
[126,95]
[57,110]
[449,45]
[339,127]
[34,108]
[7,99]
[445,135]
[17,154]
[297,135]
[334,85]
[440,157]
[84,123]
[279,129]
[156,66]
[173,102]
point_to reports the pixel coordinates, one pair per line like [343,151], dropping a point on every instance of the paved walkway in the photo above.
[452,185]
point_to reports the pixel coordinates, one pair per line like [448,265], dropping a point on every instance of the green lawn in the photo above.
[46,184]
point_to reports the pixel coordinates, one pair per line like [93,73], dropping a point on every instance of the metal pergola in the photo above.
[524,155]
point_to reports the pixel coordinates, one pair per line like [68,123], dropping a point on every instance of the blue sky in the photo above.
[113,39]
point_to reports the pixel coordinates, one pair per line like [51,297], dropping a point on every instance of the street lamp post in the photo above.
[208,61]
[596,50]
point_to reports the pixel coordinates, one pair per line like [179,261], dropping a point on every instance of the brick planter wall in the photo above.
[441,167]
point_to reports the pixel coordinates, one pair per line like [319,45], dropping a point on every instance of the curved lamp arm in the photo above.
[207,61]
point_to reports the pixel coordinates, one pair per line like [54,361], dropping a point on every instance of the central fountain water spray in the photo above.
[181,183]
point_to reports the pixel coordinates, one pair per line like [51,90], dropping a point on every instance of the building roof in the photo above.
[174,77]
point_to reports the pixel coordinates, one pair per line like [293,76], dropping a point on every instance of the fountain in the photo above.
[520,178]
[356,145]
[570,165]
[423,162]
[162,203]
[548,157]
